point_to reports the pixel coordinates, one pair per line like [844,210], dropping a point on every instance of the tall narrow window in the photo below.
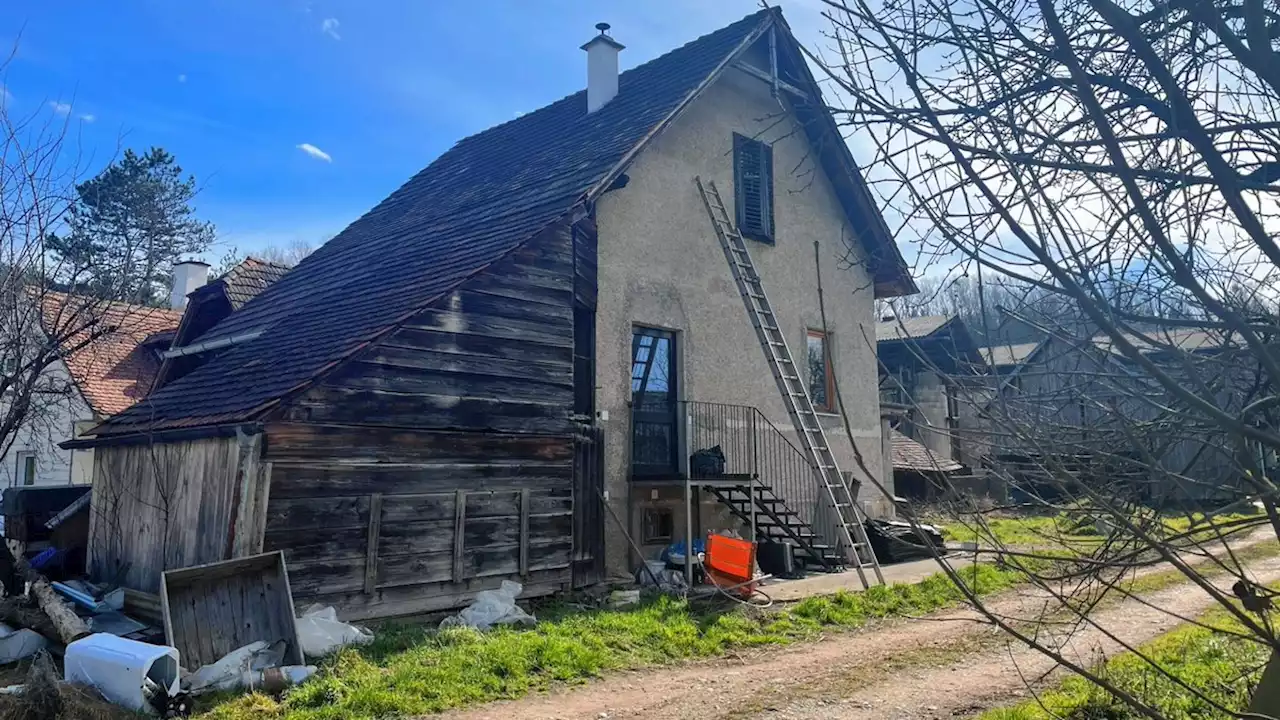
[821,390]
[26,468]
[753,187]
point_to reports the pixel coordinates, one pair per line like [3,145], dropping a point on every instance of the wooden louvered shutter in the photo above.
[753,187]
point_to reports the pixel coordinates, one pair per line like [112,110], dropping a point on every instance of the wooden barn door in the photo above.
[588,507]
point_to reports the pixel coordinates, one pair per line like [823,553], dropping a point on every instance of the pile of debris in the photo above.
[101,650]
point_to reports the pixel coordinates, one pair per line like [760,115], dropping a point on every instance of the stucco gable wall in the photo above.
[661,265]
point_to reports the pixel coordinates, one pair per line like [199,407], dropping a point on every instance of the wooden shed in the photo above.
[435,462]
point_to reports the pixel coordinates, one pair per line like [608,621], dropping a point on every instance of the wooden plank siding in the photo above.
[397,483]
[162,506]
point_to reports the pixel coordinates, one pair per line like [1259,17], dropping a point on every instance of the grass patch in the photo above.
[1224,668]
[411,670]
[1075,530]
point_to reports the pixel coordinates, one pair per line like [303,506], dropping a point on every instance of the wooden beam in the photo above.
[459,532]
[524,532]
[371,553]
[763,75]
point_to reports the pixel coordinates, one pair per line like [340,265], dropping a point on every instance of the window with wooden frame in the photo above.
[659,525]
[753,188]
[26,468]
[822,390]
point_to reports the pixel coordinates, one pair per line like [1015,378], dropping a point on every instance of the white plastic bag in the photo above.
[227,673]
[320,632]
[493,607]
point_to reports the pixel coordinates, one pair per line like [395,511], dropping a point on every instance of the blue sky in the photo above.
[375,90]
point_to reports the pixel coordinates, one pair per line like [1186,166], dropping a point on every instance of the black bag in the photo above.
[707,462]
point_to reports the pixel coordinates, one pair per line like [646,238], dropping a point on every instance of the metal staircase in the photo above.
[851,533]
[775,522]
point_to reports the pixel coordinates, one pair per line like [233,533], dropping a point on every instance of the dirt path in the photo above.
[896,669]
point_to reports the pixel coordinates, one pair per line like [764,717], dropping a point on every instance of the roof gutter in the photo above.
[144,437]
[200,347]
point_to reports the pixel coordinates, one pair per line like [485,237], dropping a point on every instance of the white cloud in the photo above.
[329,26]
[182,78]
[60,107]
[315,152]
[88,117]
[6,97]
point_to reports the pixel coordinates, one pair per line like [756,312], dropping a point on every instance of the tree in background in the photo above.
[128,226]
[287,255]
[1116,161]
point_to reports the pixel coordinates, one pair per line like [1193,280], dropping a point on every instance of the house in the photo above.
[931,366]
[1077,403]
[444,394]
[108,364]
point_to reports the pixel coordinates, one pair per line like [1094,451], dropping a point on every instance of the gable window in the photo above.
[821,389]
[753,187]
[26,468]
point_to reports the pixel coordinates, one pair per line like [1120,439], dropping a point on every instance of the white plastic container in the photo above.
[118,668]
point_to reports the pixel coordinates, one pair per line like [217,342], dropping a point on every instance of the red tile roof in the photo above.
[113,370]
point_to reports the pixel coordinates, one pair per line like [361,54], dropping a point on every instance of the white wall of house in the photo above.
[54,422]
[661,265]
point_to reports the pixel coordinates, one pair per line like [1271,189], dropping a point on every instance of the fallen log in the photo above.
[16,612]
[69,625]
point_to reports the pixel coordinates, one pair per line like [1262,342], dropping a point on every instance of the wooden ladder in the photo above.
[849,519]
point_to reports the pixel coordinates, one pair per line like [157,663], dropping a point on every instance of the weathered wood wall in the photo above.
[440,460]
[162,506]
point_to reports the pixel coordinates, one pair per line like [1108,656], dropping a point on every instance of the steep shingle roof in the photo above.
[249,278]
[113,370]
[478,201]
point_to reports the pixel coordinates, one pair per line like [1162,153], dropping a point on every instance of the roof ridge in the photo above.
[583,91]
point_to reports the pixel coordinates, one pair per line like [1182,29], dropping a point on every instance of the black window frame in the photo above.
[751,154]
[651,521]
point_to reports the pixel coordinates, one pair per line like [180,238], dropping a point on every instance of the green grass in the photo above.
[1068,529]
[1225,668]
[410,669]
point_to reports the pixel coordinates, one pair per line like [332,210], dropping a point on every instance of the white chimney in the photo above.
[187,276]
[602,68]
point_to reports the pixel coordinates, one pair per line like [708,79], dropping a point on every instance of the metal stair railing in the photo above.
[764,479]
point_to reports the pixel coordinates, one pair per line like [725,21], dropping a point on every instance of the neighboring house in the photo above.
[118,367]
[439,397]
[96,380]
[1080,404]
[931,366]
